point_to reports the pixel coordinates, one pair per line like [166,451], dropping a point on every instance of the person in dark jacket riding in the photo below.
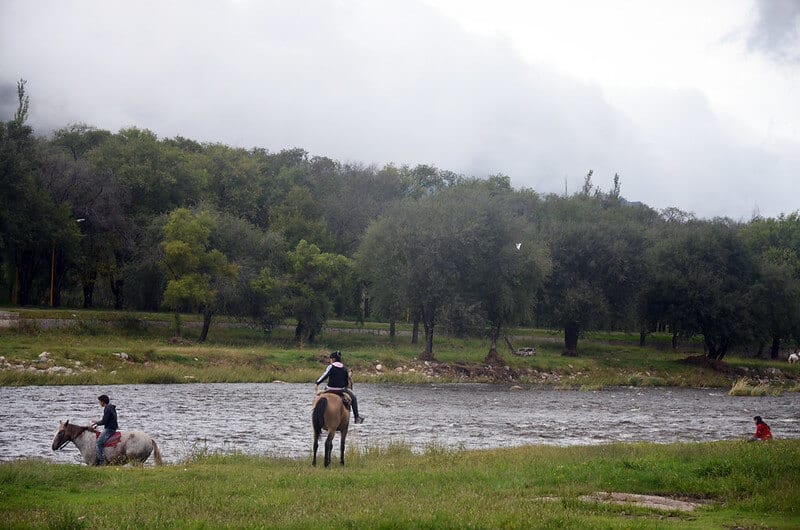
[339,380]
[110,426]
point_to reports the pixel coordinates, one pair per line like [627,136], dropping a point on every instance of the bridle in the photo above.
[63,432]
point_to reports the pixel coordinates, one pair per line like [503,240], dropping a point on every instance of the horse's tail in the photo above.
[318,416]
[156,453]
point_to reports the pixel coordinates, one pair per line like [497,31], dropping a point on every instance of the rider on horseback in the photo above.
[109,423]
[339,381]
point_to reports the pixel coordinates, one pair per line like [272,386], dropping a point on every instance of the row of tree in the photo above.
[128,220]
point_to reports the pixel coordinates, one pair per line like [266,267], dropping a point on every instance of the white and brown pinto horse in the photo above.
[133,446]
[330,413]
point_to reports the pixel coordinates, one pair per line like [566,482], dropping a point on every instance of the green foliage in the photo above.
[704,283]
[598,251]
[298,219]
[305,290]
[191,265]
[430,246]
[776,245]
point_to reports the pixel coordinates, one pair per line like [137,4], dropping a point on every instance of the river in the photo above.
[274,418]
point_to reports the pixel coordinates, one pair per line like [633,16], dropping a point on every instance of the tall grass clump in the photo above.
[742,387]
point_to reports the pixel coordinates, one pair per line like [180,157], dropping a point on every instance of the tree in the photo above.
[305,290]
[298,218]
[35,230]
[252,249]
[232,176]
[97,198]
[508,264]
[379,263]
[352,196]
[194,269]
[776,245]
[79,139]
[157,176]
[598,252]
[423,253]
[704,284]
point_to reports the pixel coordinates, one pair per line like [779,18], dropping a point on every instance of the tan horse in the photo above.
[329,413]
[134,446]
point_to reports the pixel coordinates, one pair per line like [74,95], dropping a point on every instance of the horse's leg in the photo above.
[316,445]
[342,436]
[318,423]
[329,447]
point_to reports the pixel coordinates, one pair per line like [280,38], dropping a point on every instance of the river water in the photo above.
[274,418]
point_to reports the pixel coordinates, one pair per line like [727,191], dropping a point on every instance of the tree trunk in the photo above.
[776,347]
[717,352]
[116,289]
[510,346]
[27,269]
[493,357]
[427,353]
[642,338]
[571,340]
[392,328]
[88,289]
[415,330]
[207,314]
[674,340]
[177,320]
[60,274]
[15,289]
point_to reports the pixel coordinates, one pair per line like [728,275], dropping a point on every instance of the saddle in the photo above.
[112,441]
[346,400]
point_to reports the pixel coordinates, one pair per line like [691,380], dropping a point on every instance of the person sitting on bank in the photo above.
[763,433]
[339,380]
[109,423]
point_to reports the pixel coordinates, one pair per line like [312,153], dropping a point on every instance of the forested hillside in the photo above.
[127,220]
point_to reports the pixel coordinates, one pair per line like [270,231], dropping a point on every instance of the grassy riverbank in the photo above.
[123,349]
[733,484]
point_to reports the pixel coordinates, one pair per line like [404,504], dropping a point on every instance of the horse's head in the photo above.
[65,434]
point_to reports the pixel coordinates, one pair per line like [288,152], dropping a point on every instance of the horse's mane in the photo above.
[78,429]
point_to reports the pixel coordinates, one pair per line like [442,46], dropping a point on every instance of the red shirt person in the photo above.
[763,433]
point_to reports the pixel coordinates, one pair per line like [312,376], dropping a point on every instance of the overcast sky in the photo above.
[695,103]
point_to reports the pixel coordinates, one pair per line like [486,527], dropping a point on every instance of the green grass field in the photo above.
[734,484]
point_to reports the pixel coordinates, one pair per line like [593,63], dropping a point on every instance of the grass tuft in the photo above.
[742,387]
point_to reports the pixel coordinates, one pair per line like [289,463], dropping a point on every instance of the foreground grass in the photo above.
[741,485]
